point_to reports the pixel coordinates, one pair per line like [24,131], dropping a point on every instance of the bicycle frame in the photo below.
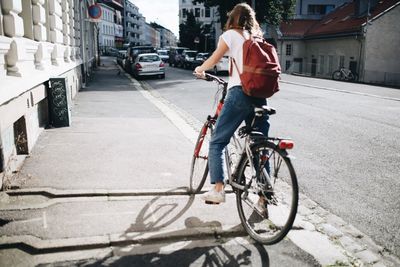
[211,120]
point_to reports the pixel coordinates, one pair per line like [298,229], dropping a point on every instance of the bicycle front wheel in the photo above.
[268,204]
[199,166]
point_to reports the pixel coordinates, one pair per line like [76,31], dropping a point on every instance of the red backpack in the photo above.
[261,68]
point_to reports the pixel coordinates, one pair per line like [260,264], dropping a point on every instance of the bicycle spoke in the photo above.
[270,221]
[199,168]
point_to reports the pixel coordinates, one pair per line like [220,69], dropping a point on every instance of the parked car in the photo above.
[111,51]
[163,54]
[199,59]
[187,59]
[121,57]
[149,64]
[175,54]
[222,65]
[132,53]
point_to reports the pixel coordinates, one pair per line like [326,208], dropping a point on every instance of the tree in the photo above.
[188,31]
[271,12]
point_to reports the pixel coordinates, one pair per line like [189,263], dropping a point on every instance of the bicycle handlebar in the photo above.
[210,78]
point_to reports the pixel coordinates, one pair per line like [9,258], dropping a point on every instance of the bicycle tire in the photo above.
[271,225]
[199,165]
[336,75]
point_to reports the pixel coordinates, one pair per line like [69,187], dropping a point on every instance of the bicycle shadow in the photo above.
[179,248]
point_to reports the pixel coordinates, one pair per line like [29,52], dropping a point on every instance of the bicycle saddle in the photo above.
[259,111]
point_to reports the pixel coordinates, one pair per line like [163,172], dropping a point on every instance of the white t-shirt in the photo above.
[234,40]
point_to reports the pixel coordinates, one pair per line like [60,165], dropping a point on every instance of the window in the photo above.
[289,49]
[184,12]
[320,9]
[330,64]
[207,11]
[321,64]
[287,65]
[197,12]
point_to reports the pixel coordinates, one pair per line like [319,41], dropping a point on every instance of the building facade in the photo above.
[151,36]
[39,40]
[133,24]
[167,38]
[113,18]
[316,9]
[106,28]
[361,36]
[207,16]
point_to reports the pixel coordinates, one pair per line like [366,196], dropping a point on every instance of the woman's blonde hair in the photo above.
[243,17]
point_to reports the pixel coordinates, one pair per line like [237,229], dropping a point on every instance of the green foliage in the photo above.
[191,29]
[188,31]
[267,11]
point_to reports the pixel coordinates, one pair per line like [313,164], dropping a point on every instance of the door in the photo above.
[313,67]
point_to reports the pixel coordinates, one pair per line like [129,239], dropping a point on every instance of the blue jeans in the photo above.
[238,107]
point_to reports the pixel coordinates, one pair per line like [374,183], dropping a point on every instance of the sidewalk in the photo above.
[116,177]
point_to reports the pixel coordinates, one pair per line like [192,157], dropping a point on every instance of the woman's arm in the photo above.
[222,48]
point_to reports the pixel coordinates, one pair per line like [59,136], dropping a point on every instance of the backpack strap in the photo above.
[230,67]
[232,60]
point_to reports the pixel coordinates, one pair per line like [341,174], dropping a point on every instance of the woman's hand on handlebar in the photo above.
[199,73]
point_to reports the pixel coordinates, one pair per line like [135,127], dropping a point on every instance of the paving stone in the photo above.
[302,210]
[350,229]
[335,220]
[350,245]
[315,219]
[309,203]
[321,211]
[379,264]
[304,224]
[367,256]
[330,230]
[319,246]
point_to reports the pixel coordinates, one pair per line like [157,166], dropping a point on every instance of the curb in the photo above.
[35,245]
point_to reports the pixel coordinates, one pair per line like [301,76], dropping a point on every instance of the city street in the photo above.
[346,143]
[111,189]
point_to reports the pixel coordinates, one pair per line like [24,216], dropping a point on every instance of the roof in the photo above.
[296,28]
[341,21]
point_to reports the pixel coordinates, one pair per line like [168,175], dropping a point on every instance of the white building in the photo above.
[107,27]
[204,15]
[151,36]
[39,40]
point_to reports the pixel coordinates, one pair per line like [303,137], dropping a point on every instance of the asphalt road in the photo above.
[347,143]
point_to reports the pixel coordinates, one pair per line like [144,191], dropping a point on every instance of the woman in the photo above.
[238,107]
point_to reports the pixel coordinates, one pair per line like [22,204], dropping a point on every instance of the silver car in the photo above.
[149,64]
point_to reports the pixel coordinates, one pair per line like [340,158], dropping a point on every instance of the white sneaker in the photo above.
[214,197]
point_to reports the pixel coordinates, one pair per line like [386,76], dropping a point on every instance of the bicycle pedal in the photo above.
[211,202]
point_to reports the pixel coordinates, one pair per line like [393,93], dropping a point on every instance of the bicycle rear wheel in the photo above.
[267,224]
[199,166]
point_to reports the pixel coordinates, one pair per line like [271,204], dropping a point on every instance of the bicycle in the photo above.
[344,74]
[263,170]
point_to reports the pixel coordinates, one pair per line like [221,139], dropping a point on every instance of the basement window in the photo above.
[21,137]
